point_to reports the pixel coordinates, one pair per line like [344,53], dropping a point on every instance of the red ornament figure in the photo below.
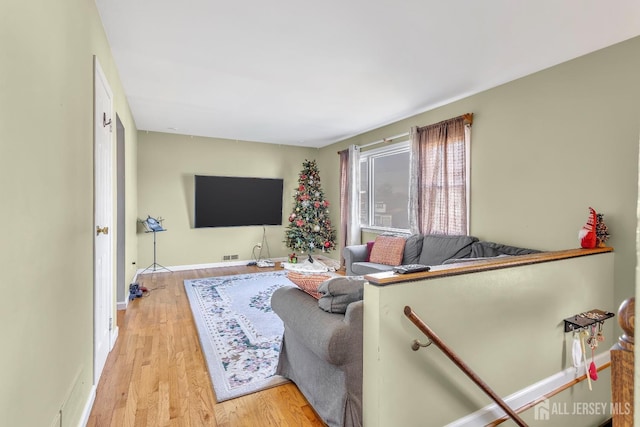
[587,234]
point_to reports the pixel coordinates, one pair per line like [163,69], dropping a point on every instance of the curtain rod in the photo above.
[468,121]
[382,140]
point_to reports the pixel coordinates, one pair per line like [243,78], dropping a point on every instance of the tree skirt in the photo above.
[239,333]
[319,265]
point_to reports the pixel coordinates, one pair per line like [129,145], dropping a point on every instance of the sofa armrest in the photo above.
[331,336]
[354,253]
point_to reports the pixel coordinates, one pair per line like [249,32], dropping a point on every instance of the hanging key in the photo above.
[600,336]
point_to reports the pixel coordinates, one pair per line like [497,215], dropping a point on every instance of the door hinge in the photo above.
[110,323]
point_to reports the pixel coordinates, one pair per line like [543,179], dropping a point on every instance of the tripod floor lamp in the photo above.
[154,225]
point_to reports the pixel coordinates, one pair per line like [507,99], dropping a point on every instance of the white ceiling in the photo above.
[312,73]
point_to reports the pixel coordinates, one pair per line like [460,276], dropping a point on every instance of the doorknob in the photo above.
[99,230]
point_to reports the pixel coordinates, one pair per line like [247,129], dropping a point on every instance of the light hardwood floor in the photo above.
[156,374]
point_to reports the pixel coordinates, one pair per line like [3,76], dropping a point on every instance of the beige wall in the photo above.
[46,197]
[636,379]
[167,164]
[545,148]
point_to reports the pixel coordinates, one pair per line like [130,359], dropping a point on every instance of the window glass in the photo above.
[384,188]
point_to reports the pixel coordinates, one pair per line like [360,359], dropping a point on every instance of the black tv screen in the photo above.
[224,201]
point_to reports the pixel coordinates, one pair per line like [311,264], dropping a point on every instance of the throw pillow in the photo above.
[308,282]
[388,250]
[369,247]
[338,292]
[412,249]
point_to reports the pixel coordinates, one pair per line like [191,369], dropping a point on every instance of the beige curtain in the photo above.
[353,224]
[344,201]
[349,198]
[438,202]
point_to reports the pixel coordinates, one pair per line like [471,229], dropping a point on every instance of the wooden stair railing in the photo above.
[462,365]
[622,372]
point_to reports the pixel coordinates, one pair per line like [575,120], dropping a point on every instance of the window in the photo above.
[384,188]
[418,187]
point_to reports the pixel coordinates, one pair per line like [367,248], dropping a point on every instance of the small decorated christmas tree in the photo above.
[602,231]
[309,224]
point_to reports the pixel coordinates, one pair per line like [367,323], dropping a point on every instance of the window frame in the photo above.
[403,146]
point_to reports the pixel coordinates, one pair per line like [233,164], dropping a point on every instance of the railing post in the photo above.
[622,372]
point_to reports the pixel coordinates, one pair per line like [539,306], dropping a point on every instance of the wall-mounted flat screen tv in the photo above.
[224,201]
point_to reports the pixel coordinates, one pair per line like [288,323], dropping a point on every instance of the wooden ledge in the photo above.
[389,277]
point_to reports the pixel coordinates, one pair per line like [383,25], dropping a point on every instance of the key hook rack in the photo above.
[585,319]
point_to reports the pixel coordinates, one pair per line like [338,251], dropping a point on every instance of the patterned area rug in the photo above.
[239,333]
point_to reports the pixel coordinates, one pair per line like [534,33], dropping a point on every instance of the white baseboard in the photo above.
[209,265]
[135,277]
[536,391]
[122,305]
[86,412]
[114,336]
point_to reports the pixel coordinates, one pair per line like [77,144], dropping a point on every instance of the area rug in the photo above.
[239,333]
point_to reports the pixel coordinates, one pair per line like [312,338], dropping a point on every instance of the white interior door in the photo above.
[103,220]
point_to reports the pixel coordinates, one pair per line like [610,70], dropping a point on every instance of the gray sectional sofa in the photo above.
[431,250]
[322,343]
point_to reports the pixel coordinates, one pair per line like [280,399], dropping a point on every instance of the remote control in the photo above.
[410,268]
